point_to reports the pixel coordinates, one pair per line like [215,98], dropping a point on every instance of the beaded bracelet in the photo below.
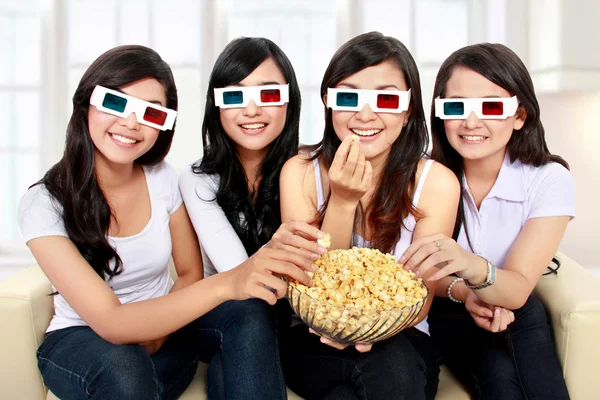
[450,290]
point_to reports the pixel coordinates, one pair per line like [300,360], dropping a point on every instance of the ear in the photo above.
[325,99]
[521,118]
[407,115]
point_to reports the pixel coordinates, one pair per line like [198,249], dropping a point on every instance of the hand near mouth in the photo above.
[350,173]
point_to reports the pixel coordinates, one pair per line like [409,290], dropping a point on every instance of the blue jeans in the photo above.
[404,366]
[519,363]
[237,338]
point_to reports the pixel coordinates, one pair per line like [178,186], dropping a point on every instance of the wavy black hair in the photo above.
[502,66]
[254,223]
[392,201]
[72,182]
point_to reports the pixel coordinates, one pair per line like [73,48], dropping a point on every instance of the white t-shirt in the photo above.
[222,248]
[145,256]
[519,193]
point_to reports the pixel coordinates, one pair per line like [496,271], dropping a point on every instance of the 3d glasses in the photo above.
[484,108]
[119,104]
[263,96]
[382,101]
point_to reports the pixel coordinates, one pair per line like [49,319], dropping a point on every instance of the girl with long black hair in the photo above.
[379,192]
[250,130]
[517,199]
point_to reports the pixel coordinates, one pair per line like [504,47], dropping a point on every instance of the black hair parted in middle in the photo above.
[255,223]
[392,201]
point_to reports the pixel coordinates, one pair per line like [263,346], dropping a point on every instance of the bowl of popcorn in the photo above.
[358,295]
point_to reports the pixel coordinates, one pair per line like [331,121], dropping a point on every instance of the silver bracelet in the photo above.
[450,290]
[490,277]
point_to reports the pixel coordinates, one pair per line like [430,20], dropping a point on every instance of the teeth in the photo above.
[123,139]
[473,138]
[368,132]
[254,126]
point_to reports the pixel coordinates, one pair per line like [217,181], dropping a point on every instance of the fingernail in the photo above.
[322,250]
[418,274]
[320,235]
[431,278]
[497,312]
[314,256]
[402,260]
[314,267]
[407,267]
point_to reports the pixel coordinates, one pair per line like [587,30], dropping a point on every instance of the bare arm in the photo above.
[297,190]
[527,259]
[526,262]
[97,304]
[349,178]
[439,204]
[186,250]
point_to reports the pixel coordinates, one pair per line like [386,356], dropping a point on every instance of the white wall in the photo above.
[572,132]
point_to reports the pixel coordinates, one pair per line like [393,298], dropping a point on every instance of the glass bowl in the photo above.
[351,325]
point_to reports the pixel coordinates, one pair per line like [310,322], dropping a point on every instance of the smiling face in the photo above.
[377,131]
[252,127]
[474,138]
[123,140]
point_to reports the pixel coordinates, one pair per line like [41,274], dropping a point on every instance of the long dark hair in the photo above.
[73,182]
[502,66]
[256,223]
[392,202]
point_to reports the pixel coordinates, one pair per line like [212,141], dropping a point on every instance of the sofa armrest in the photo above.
[25,311]
[572,300]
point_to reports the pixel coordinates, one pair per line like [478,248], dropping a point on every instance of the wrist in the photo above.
[453,288]
[460,291]
[224,286]
[490,278]
[343,203]
[480,272]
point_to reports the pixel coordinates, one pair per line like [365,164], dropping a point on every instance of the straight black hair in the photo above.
[254,223]
[72,182]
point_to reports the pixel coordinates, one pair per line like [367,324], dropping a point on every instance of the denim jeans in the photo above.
[519,363]
[237,338]
[246,363]
[404,366]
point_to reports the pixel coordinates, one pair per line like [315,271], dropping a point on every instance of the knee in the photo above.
[250,317]
[125,372]
[531,315]
[405,368]
[499,387]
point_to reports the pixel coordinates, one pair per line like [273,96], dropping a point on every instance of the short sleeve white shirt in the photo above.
[520,192]
[145,256]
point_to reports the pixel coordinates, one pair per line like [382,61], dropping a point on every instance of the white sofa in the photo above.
[572,299]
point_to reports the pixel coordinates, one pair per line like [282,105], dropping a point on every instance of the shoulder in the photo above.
[298,166]
[193,185]
[440,180]
[161,173]
[551,175]
[38,197]
[441,190]
[39,214]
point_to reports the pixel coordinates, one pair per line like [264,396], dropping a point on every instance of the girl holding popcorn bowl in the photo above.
[377,192]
